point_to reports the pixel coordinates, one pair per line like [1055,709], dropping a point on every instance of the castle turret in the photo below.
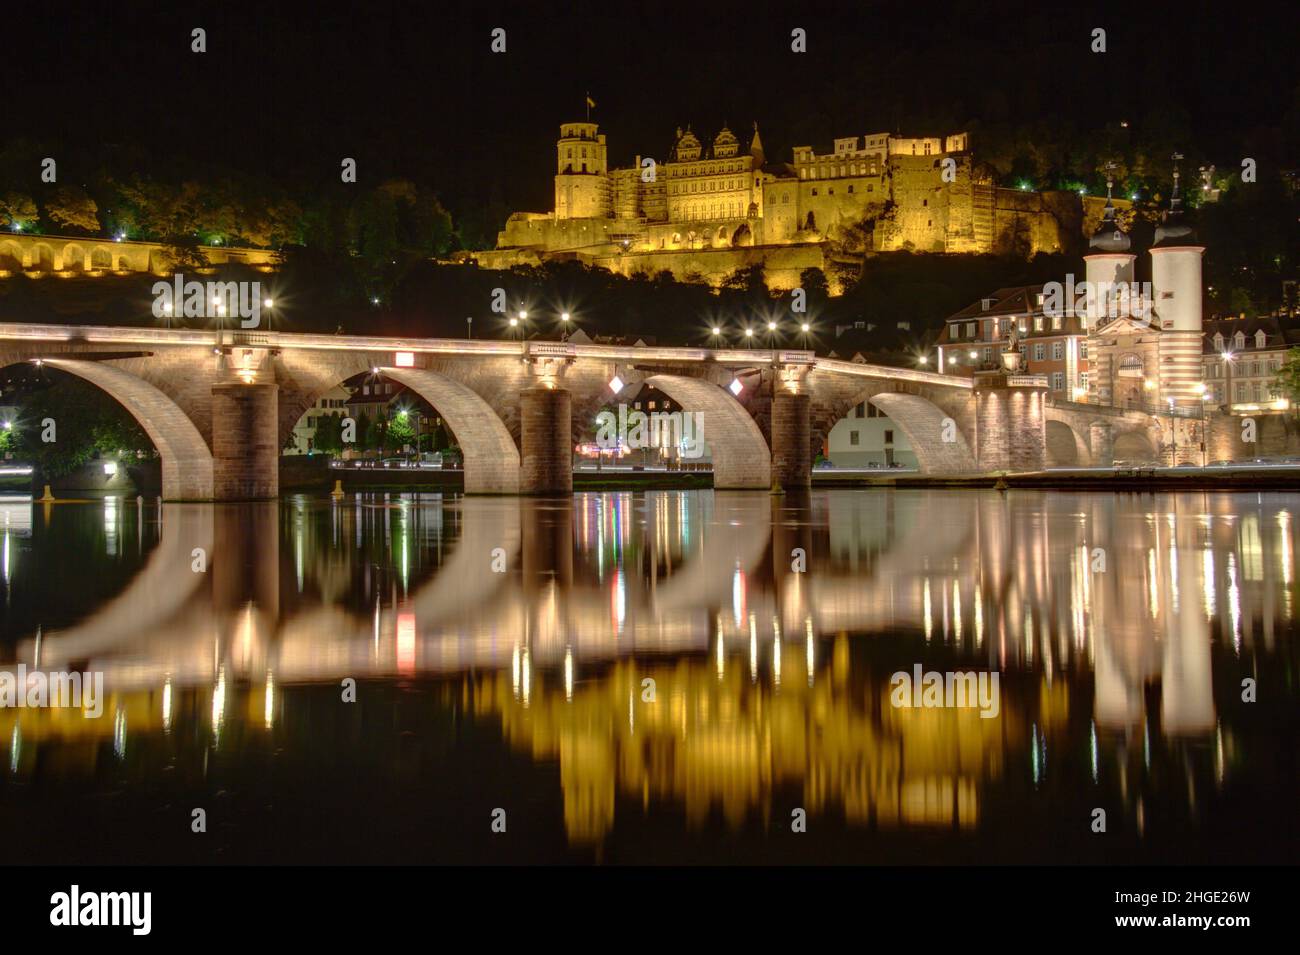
[756,148]
[581,180]
[1176,290]
[1109,266]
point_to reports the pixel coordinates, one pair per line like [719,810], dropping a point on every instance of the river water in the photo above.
[655,677]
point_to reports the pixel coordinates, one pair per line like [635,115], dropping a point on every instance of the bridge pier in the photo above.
[1010,422]
[245,445]
[545,441]
[791,441]
[1101,440]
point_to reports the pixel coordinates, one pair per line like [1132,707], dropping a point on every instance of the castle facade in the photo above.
[712,207]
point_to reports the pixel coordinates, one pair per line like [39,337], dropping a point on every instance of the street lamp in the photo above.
[564,326]
[749,338]
[1227,366]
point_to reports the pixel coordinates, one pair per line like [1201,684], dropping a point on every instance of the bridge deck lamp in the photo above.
[805,328]
[771,326]
[923,360]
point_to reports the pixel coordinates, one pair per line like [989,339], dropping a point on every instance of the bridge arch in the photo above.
[186,458]
[1135,446]
[938,443]
[491,457]
[740,454]
[1066,447]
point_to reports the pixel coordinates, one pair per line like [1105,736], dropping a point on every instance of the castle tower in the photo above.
[582,177]
[1109,266]
[1176,291]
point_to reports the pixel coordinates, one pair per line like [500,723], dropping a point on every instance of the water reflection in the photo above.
[769,627]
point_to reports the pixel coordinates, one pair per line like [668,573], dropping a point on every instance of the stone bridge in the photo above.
[219,406]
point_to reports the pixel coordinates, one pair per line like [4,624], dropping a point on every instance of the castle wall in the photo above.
[782,264]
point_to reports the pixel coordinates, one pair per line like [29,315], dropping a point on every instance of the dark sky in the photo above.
[286,90]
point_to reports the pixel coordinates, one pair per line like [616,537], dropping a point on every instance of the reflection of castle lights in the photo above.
[268,703]
[167,706]
[119,733]
[514,671]
[568,674]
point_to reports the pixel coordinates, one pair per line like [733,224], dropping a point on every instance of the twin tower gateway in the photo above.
[1148,353]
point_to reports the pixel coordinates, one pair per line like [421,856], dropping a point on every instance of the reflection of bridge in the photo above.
[988,575]
[220,407]
[759,683]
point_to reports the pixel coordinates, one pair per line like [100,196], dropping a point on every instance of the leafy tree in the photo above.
[17,209]
[1287,381]
[86,423]
[329,433]
[400,431]
[69,207]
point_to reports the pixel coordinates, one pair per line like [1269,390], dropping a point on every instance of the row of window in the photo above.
[1239,340]
[831,191]
[1041,324]
[1257,391]
[829,172]
[690,169]
[712,185]
[1245,369]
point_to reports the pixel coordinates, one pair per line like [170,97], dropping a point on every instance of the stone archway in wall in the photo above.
[74,258]
[940,448]
[740,454]
[11,257]
[186,458]
[1066,448]
[101,257]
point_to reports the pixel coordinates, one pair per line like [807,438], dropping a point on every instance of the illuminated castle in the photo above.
[711,206]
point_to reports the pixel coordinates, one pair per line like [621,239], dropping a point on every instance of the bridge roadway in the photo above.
[219,405]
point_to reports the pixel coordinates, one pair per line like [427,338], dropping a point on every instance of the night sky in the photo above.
[412,89]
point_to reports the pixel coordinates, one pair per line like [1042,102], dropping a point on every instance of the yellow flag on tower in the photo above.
[591,103]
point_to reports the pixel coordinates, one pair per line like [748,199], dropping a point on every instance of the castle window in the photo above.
[870,187]
[830,191]
[814,192]
[850,187]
